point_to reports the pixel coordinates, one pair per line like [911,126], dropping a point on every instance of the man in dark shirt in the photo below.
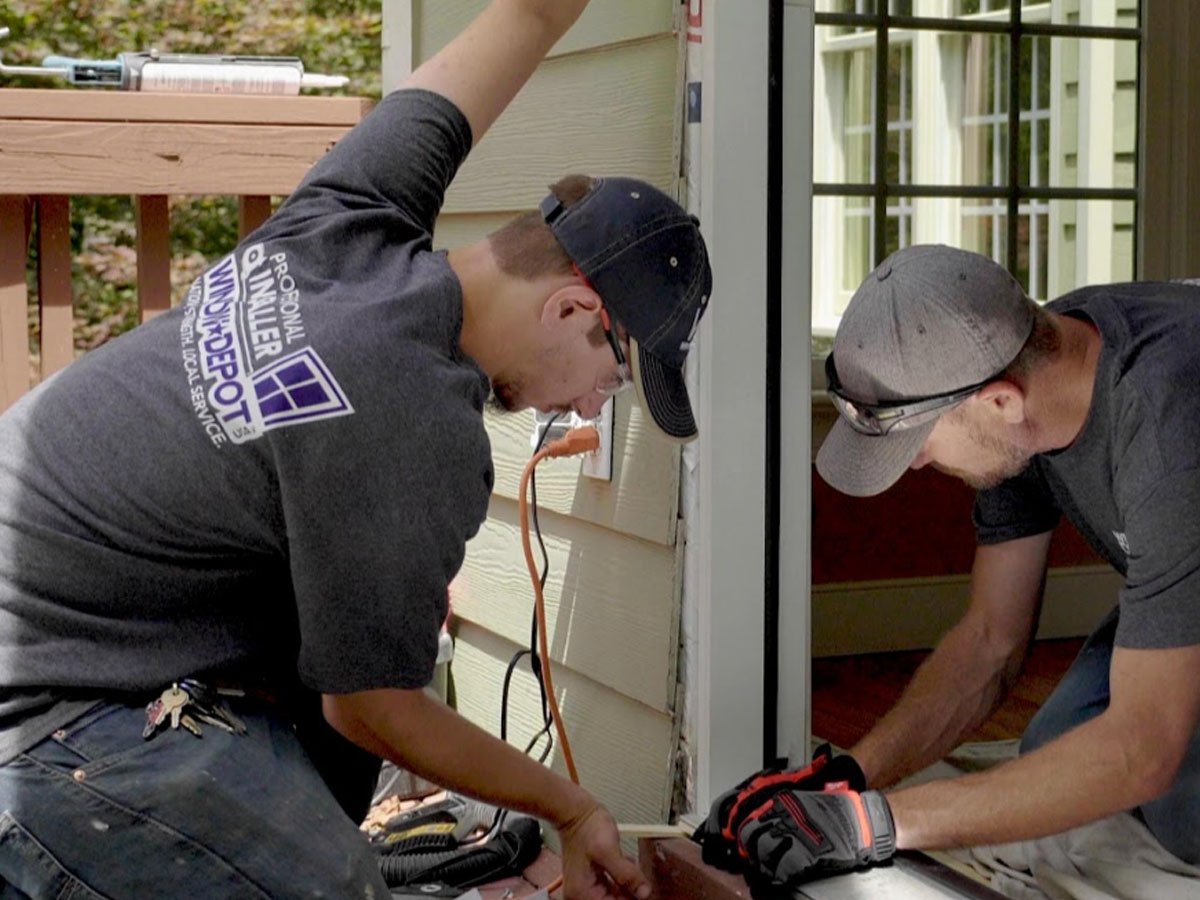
[272,486]
[1087,408]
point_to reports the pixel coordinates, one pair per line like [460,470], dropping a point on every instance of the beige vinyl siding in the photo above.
[623,750]
[642,498]
[603,112]
[608,599]
[607,101]
[601,24]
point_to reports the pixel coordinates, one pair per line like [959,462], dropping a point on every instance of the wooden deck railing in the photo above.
[58,143]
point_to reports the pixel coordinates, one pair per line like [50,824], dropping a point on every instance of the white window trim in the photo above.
[724,562]
[795,477]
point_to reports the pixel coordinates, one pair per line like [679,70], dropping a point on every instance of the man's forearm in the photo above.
[1086,774]
[951,694]
[433,741]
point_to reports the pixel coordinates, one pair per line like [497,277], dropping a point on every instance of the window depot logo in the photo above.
[245,352]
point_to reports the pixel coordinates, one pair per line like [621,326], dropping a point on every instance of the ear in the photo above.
[1004,398]
[568,300]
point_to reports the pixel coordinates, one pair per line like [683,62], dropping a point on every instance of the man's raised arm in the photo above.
[481,70]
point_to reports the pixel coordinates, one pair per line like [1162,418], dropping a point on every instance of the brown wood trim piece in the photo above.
[117,106]
[153,256]
[141,158]
[14,328]
[55,297]
[677,872]
[253,210]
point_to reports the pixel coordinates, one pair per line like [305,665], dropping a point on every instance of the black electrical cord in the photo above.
[535,660]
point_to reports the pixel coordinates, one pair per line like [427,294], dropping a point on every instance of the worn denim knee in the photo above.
[1083,694]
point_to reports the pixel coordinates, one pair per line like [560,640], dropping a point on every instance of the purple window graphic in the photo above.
[296,388]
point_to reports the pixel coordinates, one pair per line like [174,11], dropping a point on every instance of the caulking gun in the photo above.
[182,73]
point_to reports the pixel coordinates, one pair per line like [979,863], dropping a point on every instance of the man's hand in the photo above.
[802,835]
[718,834]
[593,866]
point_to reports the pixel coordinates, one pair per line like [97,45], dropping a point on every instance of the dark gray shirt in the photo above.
[1131,481]
[278,477]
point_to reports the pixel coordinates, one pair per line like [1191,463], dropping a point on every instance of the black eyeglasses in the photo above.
[880,418]
[622,379]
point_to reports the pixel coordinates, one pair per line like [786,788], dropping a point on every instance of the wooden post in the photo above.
[56,308]
[252,212]
[14,329]
[153,256]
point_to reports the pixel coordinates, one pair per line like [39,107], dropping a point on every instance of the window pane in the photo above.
[1101,13]
[858,222]
[841,255]
[984,105]
[978,7]
[899,163]
[856,7]
[1033,148]
[985,228]
[1088,242]
[898,231]
[843,109]
[1092,112]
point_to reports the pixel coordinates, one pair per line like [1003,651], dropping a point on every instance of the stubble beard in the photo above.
[1005,460]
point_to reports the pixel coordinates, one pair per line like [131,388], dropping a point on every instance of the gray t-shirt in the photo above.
[278,477]
[1131,481]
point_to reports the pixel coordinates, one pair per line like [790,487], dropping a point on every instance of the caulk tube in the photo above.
[195,74]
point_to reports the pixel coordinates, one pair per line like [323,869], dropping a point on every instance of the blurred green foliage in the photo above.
[334,37]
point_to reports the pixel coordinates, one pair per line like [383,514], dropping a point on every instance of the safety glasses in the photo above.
[621,380]
[880,418]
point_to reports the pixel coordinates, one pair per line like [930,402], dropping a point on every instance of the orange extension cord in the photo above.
[576,441]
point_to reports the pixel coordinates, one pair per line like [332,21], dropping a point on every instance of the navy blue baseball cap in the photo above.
[644,255]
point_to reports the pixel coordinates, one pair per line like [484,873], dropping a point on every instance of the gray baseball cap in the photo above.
[930,320]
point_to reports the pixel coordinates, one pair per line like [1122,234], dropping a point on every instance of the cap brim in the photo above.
[862,465]
[663,394]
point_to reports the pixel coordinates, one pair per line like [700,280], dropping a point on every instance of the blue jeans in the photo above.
[1083,694]
[97,812]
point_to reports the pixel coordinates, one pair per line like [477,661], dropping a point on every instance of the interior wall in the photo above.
[891,572]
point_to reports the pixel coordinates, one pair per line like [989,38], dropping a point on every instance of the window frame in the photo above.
[1017,195]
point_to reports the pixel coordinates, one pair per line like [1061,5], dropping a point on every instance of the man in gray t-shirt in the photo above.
[1087,408]
[271,487]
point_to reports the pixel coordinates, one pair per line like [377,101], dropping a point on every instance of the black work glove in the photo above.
[718,834]
[802,835]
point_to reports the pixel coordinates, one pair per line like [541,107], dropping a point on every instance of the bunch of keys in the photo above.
[185,702]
